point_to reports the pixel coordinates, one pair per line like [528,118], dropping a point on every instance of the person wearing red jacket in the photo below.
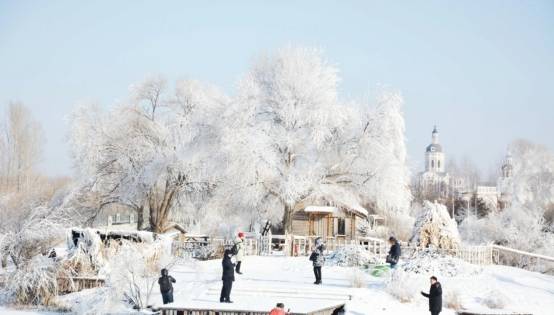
[279,310]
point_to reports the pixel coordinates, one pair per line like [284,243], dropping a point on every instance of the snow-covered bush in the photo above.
[37,231]
[404,286]
[352,255]
[431,262]
[35,281]
[495,299]
[87,258]
[133,271]
[357,278]
[435,228]
[453,299]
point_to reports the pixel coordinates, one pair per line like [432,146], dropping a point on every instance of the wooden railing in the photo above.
[177,310]
[192,247]
[295,245]
[76,284]
[502,255]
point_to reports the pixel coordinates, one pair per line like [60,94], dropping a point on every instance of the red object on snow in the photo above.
[277,311]
[241,235]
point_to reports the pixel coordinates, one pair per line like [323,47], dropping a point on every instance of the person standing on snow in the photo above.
[228,277]
[166,286]
[318,259]
[434,296]
[238,251]
[279,310]
[394,252]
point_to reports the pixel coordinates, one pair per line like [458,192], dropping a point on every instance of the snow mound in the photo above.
[430,262]
[350,256]
[434,227]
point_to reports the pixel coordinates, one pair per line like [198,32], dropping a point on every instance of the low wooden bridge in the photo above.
[207,310]
[259,301]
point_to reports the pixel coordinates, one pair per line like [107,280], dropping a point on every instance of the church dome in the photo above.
[434,147]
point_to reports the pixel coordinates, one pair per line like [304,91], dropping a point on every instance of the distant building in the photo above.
[434,181]
[505,181]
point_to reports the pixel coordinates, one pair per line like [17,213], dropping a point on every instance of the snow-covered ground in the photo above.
[265,278]
[268,280]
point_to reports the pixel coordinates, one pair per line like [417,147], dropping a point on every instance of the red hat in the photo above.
[241,235]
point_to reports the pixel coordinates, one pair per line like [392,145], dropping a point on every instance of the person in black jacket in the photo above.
[228,277]
[318,259]
[166,286]
[394,252]
[434,296]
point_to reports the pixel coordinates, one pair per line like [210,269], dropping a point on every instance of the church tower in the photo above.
[507,166]
[434,156]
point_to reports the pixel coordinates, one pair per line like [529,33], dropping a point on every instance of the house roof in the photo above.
[321,209]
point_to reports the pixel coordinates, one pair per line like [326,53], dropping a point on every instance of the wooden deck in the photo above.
[169,310]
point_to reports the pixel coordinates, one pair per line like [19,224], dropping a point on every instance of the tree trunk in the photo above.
[140,218]
[4,261]
[287,218]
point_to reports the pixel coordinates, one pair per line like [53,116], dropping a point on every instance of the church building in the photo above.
[434,181]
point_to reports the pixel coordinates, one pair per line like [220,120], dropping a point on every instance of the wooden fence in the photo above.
[207,248]
[296,245]
[76,284]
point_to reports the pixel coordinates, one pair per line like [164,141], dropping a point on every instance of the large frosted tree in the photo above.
[291,138]
[152,152]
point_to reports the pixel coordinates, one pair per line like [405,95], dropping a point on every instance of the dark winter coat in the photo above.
[435,297]
[317,257]
[228,269]
[165,283]
[394,253]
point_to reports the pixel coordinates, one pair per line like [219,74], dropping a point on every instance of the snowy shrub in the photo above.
[88,256]
[357,278]
[431,262]
[37,232]
[495,299]
[453,299]
[435,228]
[404,286]
[134,270]
[352,255]
[35,282]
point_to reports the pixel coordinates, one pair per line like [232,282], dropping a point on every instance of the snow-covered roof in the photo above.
[359,209]
[321,209]
[336,197]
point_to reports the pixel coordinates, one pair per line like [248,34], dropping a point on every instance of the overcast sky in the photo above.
[483,71]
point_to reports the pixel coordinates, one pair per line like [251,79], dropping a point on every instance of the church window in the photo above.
[439,163]
[432,163]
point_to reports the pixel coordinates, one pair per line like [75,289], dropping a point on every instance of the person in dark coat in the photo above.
[228,277]
[434,296]
[318,259]
[166,286]
[394,252]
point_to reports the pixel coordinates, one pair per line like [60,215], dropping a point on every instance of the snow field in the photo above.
[268,280]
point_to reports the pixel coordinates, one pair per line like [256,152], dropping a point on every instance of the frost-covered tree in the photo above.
[152,152]
[372,158]
[286,119]
[292,139]
[20,147]
[531,188]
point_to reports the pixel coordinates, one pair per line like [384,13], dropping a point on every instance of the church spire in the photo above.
[435,135]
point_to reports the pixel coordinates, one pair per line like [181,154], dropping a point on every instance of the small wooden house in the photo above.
[326,221]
